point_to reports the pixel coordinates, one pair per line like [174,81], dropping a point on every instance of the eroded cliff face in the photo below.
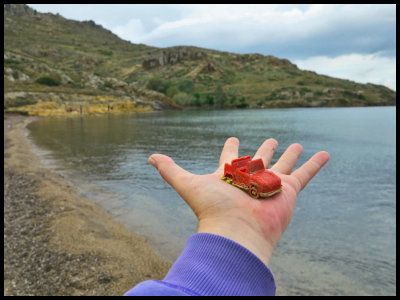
[63,103]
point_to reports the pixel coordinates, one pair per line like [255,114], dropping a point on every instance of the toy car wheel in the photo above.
[253,192]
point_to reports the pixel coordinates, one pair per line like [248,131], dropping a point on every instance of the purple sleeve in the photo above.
[212,265]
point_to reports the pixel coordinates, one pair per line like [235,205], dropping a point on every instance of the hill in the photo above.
[53,65]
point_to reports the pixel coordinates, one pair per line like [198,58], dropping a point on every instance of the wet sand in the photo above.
[57,243]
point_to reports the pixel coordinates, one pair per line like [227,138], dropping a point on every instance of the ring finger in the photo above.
[288,160]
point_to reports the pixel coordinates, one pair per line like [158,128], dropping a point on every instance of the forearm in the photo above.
[242,233]
[212,265]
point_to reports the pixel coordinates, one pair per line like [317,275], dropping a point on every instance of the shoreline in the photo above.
[57,243]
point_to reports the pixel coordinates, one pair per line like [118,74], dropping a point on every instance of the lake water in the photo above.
[342,238]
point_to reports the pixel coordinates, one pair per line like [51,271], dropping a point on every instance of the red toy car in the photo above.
[251,176]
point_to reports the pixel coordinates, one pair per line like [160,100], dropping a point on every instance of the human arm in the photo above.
[224,210]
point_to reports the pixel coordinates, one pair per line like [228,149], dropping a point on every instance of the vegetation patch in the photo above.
[48,81]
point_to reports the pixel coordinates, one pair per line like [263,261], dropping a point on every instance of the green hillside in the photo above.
[52,64]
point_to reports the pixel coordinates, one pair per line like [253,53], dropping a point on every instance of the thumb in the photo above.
[176,176]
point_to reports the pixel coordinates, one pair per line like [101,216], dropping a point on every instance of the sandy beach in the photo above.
[57,243]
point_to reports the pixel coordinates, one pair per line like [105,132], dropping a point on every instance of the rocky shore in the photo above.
[56,243]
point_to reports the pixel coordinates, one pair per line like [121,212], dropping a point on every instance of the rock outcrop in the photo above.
[171,57]
[18,10]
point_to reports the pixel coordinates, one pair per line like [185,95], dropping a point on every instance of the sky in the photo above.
[355,42]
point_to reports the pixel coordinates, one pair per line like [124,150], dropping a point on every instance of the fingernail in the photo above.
[152,162]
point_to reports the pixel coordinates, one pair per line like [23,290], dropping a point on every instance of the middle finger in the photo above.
[266,151]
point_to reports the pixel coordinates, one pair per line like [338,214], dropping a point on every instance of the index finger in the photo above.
[310,168]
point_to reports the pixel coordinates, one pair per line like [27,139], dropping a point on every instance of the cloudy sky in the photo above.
[356,42]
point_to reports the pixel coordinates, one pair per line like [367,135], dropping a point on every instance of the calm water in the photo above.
[342,236]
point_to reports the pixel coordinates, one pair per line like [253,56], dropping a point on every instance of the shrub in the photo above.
[21,112]
[220,96]
[48,81]
[172,91]
[183,98]
[108,85]
[242,103]
[186,86]
[209,100]
[159,85]
[105,52]
[19,101]
[232,98]
[197,102]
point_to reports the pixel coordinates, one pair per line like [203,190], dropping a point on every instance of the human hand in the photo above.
[225,210]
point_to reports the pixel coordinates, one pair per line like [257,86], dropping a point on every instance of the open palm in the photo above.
[223,209]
